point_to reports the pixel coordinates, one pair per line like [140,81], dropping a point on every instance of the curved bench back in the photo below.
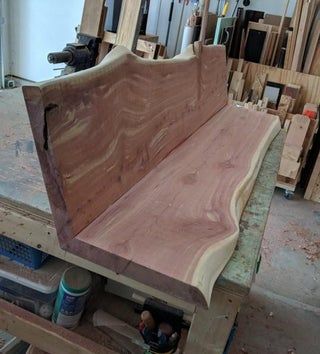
[101,130]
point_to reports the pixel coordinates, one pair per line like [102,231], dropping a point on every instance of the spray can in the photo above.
[72,295]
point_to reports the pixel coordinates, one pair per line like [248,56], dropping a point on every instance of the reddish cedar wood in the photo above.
[146,168]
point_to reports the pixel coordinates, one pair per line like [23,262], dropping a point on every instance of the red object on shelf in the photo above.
[310,110]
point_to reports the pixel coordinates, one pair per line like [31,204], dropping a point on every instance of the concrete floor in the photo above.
[282,314]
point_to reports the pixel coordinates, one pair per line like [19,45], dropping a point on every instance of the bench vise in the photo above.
[77,56]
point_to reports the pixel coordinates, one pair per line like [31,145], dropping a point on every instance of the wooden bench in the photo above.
[25,216]
[146,167]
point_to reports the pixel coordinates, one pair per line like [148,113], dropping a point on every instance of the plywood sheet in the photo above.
[146,168]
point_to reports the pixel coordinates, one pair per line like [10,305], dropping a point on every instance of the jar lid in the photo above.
[76,279]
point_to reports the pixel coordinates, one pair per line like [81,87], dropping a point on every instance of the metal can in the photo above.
[72,295]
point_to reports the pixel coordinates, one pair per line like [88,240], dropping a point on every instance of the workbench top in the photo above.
[22,186]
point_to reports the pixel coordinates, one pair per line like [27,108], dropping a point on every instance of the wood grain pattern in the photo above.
[120,113]
[186,233]
[140,179]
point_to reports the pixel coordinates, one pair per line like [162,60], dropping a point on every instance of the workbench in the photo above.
[25,216]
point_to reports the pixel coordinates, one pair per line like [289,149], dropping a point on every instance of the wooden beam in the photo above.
[302,36]
[295,25]
[315,66]
[313,179]
[313,43]
[143,45]
[44,334]
[93,18]
[129,23]
[204,21]
[288,49]
[279,39]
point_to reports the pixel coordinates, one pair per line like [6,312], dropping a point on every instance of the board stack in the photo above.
[302,49]
[262,40]
[301,131]
[281,41]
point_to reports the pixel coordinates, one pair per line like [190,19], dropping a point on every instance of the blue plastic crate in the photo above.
[21,253]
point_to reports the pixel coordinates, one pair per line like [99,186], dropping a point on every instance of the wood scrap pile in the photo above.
[301,131]
[261,87]
[272,97]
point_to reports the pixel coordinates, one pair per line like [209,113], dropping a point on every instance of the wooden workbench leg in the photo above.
[210,328]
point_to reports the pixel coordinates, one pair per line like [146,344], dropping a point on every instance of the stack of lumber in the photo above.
[302,51]
[281,41]
[259,37]
[301,131]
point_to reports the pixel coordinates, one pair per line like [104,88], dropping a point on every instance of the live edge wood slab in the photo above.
[147,168]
